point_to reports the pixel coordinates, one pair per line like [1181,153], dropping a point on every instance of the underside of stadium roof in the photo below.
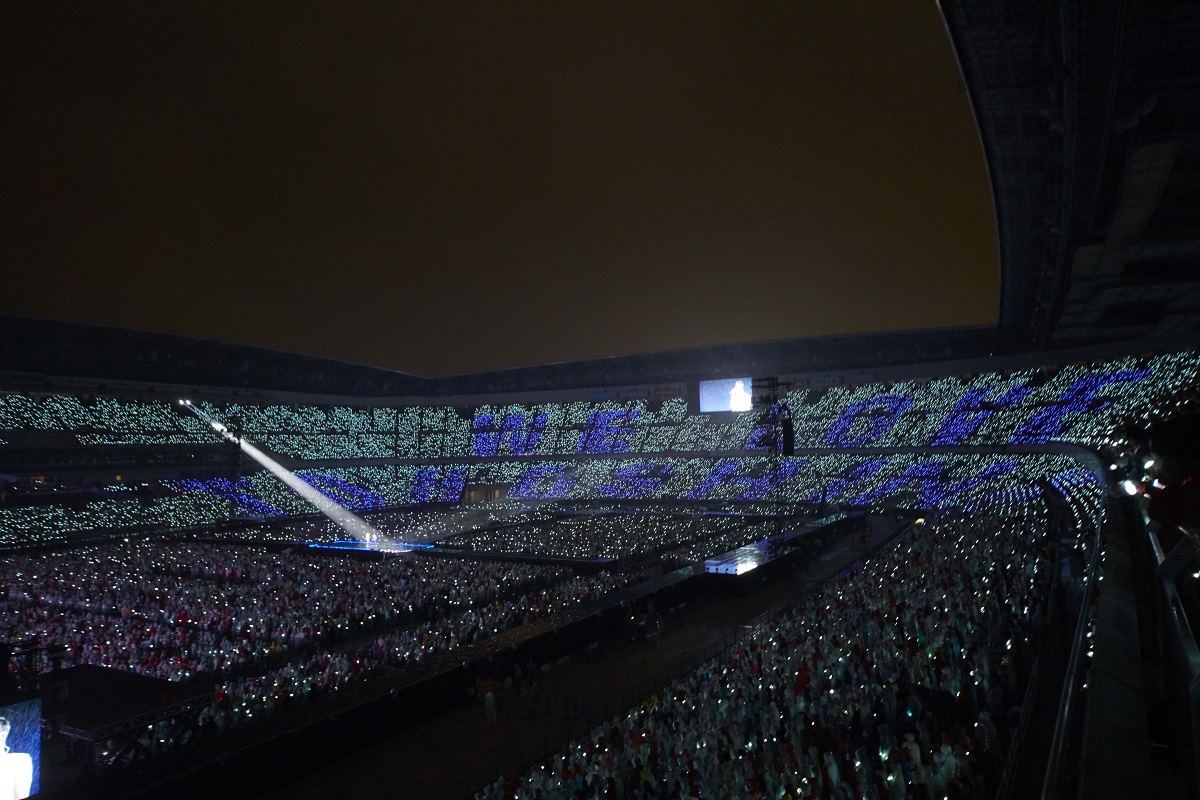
[1090,118]
[1089,115]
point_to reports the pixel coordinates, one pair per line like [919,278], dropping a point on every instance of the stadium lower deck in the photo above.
[459,750]
[281,634]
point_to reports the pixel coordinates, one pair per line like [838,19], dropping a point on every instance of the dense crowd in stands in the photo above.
[267,625]
[616,536]
[114,511]
[882,685]
[725,539]
[1078,402]
[409,525]
[326,671]
[941,481]
[447,633]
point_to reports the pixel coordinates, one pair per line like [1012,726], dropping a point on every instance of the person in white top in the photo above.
[16,769]
[739,398]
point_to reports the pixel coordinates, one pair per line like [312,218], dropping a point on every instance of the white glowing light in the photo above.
[347,520]
[739,398]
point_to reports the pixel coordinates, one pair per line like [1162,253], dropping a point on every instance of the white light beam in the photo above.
[347,520]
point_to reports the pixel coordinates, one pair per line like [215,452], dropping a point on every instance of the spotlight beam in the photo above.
[346,519]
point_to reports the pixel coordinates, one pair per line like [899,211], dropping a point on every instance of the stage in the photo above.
[743,559]
[359,546]
[754,555]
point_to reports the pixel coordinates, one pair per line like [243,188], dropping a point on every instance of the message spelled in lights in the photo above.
[1088,403]
[347,520]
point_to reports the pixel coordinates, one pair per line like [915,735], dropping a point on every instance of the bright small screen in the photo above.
[731,394]
[20,749]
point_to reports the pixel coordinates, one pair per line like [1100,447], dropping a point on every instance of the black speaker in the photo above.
[789,437]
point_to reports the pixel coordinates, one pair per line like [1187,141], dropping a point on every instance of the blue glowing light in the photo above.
[344,492]
[973,409]
[727,478]
[636,480]
[1078,398]
[608,431]
[236,492]
[880,414]
[520,432]
[432,486]
[544,482]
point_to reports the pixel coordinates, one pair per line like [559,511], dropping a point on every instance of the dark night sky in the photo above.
[450,187]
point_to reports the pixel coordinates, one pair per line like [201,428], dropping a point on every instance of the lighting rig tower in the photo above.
[234,444]
[235,447]
[776,417]
[774,412]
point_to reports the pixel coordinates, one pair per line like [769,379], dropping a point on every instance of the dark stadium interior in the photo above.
[956,556]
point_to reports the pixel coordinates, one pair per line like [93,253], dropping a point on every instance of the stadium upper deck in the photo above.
[371,458]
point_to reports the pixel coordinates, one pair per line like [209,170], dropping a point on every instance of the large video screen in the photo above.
[730,394]
[20,749]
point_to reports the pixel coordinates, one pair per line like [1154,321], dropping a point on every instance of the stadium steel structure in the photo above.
[1090,119]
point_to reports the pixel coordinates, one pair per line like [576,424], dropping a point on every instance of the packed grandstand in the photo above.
[213,580]
[429,454]
[955,564]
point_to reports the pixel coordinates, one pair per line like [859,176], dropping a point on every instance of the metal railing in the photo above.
[1016,747]
[1077,669]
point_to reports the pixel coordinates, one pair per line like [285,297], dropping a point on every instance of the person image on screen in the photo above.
[16,769]
[739,398]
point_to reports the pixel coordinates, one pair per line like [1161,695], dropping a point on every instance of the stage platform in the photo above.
[358,546]
[754,555]
[743,559]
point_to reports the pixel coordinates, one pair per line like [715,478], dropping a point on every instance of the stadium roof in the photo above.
[1090,119]
[39,349]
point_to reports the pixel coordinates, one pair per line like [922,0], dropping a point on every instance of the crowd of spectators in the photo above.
[618,536]
[116,510]
[265,626]
[945,481]
[447,633]
[407,525]
[724,539]
[326,671]
[882,685]
[1083,403]
[1078,402]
